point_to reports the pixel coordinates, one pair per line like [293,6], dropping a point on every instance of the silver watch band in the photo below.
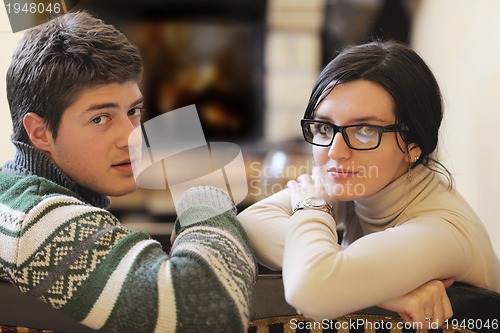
[314,203]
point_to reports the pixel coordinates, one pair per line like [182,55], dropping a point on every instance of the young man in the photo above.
[74,98]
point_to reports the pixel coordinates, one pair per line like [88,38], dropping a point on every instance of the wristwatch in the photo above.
[315,203]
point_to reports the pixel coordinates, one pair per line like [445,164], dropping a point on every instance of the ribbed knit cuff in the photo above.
[201,203]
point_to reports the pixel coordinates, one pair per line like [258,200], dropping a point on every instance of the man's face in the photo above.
[92,141]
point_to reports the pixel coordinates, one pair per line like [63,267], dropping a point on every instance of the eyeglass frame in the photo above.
[397,127]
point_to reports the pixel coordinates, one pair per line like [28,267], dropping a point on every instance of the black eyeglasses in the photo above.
[357,137]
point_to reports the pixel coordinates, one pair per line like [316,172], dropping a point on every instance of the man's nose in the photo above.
[126,135]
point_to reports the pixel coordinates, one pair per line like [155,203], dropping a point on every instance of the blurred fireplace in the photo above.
[204,52]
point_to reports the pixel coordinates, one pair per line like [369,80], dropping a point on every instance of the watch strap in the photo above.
[307,205]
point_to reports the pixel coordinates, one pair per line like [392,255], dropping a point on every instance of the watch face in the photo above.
[315,202]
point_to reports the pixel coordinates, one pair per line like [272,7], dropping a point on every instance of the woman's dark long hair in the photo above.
[406,77]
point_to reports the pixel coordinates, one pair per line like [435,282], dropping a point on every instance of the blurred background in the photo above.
[249,66]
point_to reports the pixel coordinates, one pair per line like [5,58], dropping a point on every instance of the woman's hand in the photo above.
[173,236]
[306,186]
[428,304]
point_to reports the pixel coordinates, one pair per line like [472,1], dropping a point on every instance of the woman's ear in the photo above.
[413,153]
[37,131]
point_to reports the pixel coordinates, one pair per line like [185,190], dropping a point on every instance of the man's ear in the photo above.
[37,131]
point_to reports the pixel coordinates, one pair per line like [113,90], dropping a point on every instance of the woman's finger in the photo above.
[447,308]
[305,179]
[436,317]
[448,282]
[316,174]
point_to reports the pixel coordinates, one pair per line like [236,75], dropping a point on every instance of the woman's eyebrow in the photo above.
[355,120]
[368,119]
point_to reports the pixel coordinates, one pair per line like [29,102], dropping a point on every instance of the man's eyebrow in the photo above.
[96,107]
[139,101]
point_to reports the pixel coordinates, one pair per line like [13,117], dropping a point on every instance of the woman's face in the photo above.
[349,174]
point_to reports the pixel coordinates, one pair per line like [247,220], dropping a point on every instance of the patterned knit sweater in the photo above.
[59,244]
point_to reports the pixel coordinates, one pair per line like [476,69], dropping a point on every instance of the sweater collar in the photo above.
[387,207]
[31,161]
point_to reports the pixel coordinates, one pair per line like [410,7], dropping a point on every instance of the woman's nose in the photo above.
[339,148]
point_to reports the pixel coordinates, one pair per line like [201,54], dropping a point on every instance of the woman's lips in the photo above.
[339,173]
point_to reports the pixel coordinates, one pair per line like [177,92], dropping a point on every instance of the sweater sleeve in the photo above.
[80,260]
[208,230]
[266,223]
[324,280]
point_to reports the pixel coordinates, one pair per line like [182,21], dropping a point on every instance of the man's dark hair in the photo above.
[56,61]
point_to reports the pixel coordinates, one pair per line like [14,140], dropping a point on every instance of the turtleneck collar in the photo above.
[31,161]
[387,208]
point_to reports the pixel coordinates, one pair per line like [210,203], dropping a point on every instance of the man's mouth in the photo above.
[124,167]
[123,162]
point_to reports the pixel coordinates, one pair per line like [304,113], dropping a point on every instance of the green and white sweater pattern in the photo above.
[56,245]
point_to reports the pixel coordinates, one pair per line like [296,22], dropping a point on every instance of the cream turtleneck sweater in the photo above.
[407,234]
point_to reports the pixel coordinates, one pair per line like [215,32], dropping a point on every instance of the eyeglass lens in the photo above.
[357,136]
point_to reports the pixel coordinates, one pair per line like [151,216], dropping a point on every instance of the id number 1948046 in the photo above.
[33,7]
[473,324]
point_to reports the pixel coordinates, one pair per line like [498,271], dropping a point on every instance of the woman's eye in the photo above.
[101,120]
[323,129]
[366,131]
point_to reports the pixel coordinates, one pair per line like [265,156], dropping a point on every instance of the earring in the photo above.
[415,159]
[408,176]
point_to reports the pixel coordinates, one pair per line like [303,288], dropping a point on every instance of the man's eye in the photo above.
[101,120]
[135,116]
[134,112]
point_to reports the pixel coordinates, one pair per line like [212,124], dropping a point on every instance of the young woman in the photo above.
[373,121]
